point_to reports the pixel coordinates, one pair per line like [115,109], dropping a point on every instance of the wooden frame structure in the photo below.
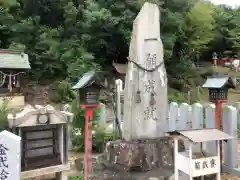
[13,64]
[44,146]
[197,163]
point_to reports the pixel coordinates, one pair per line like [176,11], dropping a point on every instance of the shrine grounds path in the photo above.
[74,172]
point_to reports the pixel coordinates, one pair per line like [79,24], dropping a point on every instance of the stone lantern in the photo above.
[214,57]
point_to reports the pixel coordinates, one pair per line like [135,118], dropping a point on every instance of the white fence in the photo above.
[180,118]
[196,116]
[184,116]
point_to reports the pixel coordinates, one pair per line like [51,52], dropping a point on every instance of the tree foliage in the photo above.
[65,38]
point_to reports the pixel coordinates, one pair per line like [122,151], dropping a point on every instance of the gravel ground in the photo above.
[74,155]
[229,177]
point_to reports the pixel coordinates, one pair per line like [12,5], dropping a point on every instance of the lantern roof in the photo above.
[219,81]
[89,78]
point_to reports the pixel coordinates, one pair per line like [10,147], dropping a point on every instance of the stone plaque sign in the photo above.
[10,156]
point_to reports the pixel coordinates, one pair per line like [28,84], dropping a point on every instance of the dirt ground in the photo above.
[229,177]
[73,172]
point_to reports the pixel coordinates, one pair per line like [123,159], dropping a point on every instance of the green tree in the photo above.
[65,38]
[199,27]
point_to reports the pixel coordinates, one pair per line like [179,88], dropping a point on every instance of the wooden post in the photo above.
[218,154]
[218,113]
[231,147]
[184,117]
[118,106]
[176,158]
[198,92]
[218,105]
[173,116]
[189,97]
[190,160]
[237,106]
[88,144]
[88,139]
[210,123]
[197,122]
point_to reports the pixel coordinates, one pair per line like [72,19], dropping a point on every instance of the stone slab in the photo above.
[137,159]
[10,156]
[44,171]
[141,154]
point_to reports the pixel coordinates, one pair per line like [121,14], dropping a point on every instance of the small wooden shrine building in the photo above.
[13,64]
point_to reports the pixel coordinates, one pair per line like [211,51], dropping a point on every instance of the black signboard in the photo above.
[218,94]
[89,96]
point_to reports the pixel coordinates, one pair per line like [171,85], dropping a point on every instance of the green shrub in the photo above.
[62,92]
[177,97]
[238,132]
[76,177]
[4,110]
[205,72]
[79,115]
[99,138]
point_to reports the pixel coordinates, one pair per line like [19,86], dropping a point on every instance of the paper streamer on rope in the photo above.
[10,82]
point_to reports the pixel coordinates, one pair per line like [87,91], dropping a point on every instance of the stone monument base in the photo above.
[140,159]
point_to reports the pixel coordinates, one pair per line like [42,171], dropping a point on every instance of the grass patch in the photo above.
[76,177]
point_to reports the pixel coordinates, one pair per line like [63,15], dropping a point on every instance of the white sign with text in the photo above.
[10,156]
[205,166]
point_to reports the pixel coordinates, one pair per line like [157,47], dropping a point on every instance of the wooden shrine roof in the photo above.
[202,135]
[13,59]
[120,68]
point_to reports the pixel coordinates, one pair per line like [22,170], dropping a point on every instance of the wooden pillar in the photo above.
[119,89]
[218,154]
[230,127]
[190,160]
[88,144]
[176,158]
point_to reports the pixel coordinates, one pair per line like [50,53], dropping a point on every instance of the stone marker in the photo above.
[10,156]
[145,93]
[144,152]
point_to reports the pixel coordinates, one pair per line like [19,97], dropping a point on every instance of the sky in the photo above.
[232,3]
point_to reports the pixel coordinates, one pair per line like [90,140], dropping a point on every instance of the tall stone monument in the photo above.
[145,95]
[144,153]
